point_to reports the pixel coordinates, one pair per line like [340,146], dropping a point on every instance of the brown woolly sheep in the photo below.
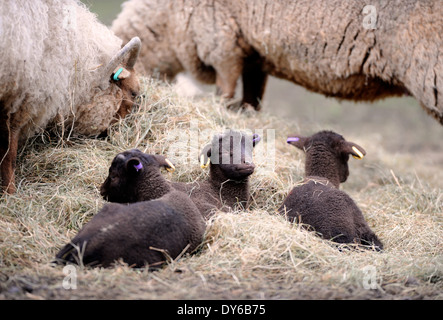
[325,46]
[229,157]
[60,67]
[141,234]
[317,201]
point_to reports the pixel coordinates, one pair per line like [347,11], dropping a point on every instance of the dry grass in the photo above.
[250,254]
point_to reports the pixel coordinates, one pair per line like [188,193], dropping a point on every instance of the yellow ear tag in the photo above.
[202,162]
[172,167]
[360,155]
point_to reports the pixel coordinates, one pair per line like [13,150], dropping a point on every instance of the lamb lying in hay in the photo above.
[144,233]
[60,67]
[317,202]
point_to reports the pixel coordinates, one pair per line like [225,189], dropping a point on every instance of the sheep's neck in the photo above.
[322,167]
[230,191]
[155,188]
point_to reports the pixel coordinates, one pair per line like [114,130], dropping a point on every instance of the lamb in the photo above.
[60,68]
[317,201]
[325,46]
[141,234]
[229,157]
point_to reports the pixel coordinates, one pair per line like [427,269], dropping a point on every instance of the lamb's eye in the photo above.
[134,94]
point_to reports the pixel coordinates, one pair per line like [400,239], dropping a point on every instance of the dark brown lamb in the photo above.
[141,234]
[229,158]
[317,201]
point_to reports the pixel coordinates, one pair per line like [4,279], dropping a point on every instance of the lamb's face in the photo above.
[327,154]
[131,172]
[234,157]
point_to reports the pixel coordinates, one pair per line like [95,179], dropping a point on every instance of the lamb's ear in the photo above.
[205,157]
[297,141]
[354,149]
[134,165]
[120,73]
[165,163]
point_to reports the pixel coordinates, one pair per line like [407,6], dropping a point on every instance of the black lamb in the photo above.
[317,201]
[141,234]
[229,157]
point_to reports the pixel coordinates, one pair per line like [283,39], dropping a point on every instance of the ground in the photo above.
[247,254]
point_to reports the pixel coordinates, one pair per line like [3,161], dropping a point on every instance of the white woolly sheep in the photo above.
[56,68]
[144,233]
[317,201]
[324,46]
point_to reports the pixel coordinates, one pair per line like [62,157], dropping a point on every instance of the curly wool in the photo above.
[52,56]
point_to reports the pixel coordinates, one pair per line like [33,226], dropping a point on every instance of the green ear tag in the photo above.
[117,74]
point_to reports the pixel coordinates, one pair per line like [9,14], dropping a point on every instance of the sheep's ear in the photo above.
[165,163]
[134,165]
[354,149]
[120,73]
[205,157]
[297,141]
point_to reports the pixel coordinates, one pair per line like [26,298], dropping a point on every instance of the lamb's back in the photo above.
[326,209]
[140,232]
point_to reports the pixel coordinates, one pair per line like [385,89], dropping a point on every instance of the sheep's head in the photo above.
[327,154]
[135,176]
[230,155]
[119,87]
[127,80]
[122,73]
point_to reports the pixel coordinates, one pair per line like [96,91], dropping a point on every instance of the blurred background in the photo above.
[398,125]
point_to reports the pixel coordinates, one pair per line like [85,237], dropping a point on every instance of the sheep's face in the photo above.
[230,155]
[127,80]
[327,154]
[134,173]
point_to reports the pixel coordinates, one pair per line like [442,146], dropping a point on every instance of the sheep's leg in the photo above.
[227,75]
[254,83]
[226,84]
[8,155]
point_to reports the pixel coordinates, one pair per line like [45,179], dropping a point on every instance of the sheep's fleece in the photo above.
[327,46]
[52,54]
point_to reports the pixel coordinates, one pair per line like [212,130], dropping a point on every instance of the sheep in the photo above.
[229,157]
[317,202]
[327,47]
[141,234]
[60,68]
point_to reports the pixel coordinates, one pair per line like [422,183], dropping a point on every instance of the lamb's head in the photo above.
[135,176]
[327,155]
[230,156]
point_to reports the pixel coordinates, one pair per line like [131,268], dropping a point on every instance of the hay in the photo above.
[251,254]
